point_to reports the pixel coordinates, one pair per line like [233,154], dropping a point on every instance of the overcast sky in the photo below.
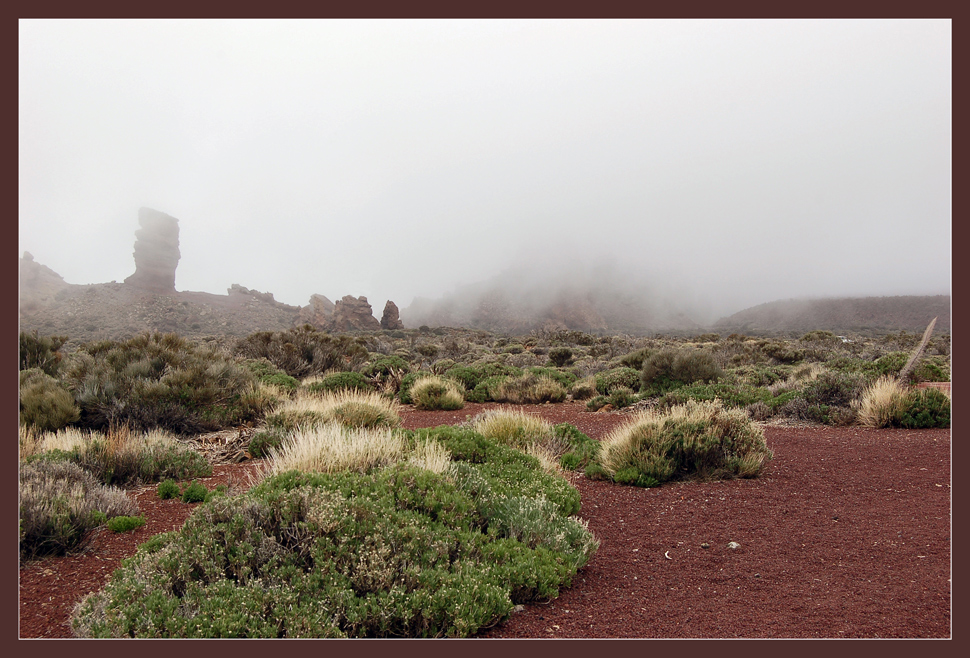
[734,162]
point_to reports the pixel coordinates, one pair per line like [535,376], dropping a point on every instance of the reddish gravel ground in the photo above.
[846,534]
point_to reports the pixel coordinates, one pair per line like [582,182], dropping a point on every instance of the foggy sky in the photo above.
[731,162]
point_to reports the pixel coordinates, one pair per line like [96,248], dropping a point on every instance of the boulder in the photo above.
[156,252]
[318,313]
[354,314]
[391,319]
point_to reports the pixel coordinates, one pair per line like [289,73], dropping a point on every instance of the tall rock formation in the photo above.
[352,314]
[392,318]
[156,252]
[318,313]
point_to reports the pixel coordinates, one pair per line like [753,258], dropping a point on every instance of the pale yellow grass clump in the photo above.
[548,459]
[512,427]
[116,442]
[332,447]
[882,403]
[350,408]
[432,456]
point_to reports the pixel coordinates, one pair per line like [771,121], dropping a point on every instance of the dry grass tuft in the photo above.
[332,447]
[882,403]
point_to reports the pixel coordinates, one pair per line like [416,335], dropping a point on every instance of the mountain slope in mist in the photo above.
[524,299]
[858,314]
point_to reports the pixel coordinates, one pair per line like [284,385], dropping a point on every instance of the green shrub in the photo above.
[125,523]
[267,373]
[621,396]
[486,389]
[626,377]
[304,351]
[926,408]
[529,389]
[45,405]
[168,489]
[407,381]
[162,381]
[385,366]
[194,493]
[432,392]
[583,389]
[598,402]
[636,358]
[560,356]
[263,442]
[340,381]
[41,352]
[60,503]
[671,368]
[564,378]
[579,450]
[398,551]
[699,440]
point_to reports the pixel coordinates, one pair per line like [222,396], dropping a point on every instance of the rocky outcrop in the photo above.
[156,252]
[354,314]
[39,284]
[392,318]
[236,289]
[318,313]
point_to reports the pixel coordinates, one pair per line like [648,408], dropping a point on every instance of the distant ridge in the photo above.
[863,315]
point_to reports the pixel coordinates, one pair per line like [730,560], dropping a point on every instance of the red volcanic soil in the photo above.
[846,534]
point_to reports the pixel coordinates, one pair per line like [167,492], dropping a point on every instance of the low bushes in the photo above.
[432,392]
[887,403]
[162,381]
[60,503]
[394,551]
[671,368]
[120,456]
[698,440]
[304,351]
[45,405]
[528,388]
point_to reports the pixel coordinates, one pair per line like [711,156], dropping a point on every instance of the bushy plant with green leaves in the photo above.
[43,352]
[264,441]
[304,351]
[529,389]
[60,503]
[623,376]
[397,551]
[125,523]
[162,381]
[671,368]
[926,408]
[45,404]
[168,489]
[698,440]
[432,392]
[560,356]
[269,374]
[195,492]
